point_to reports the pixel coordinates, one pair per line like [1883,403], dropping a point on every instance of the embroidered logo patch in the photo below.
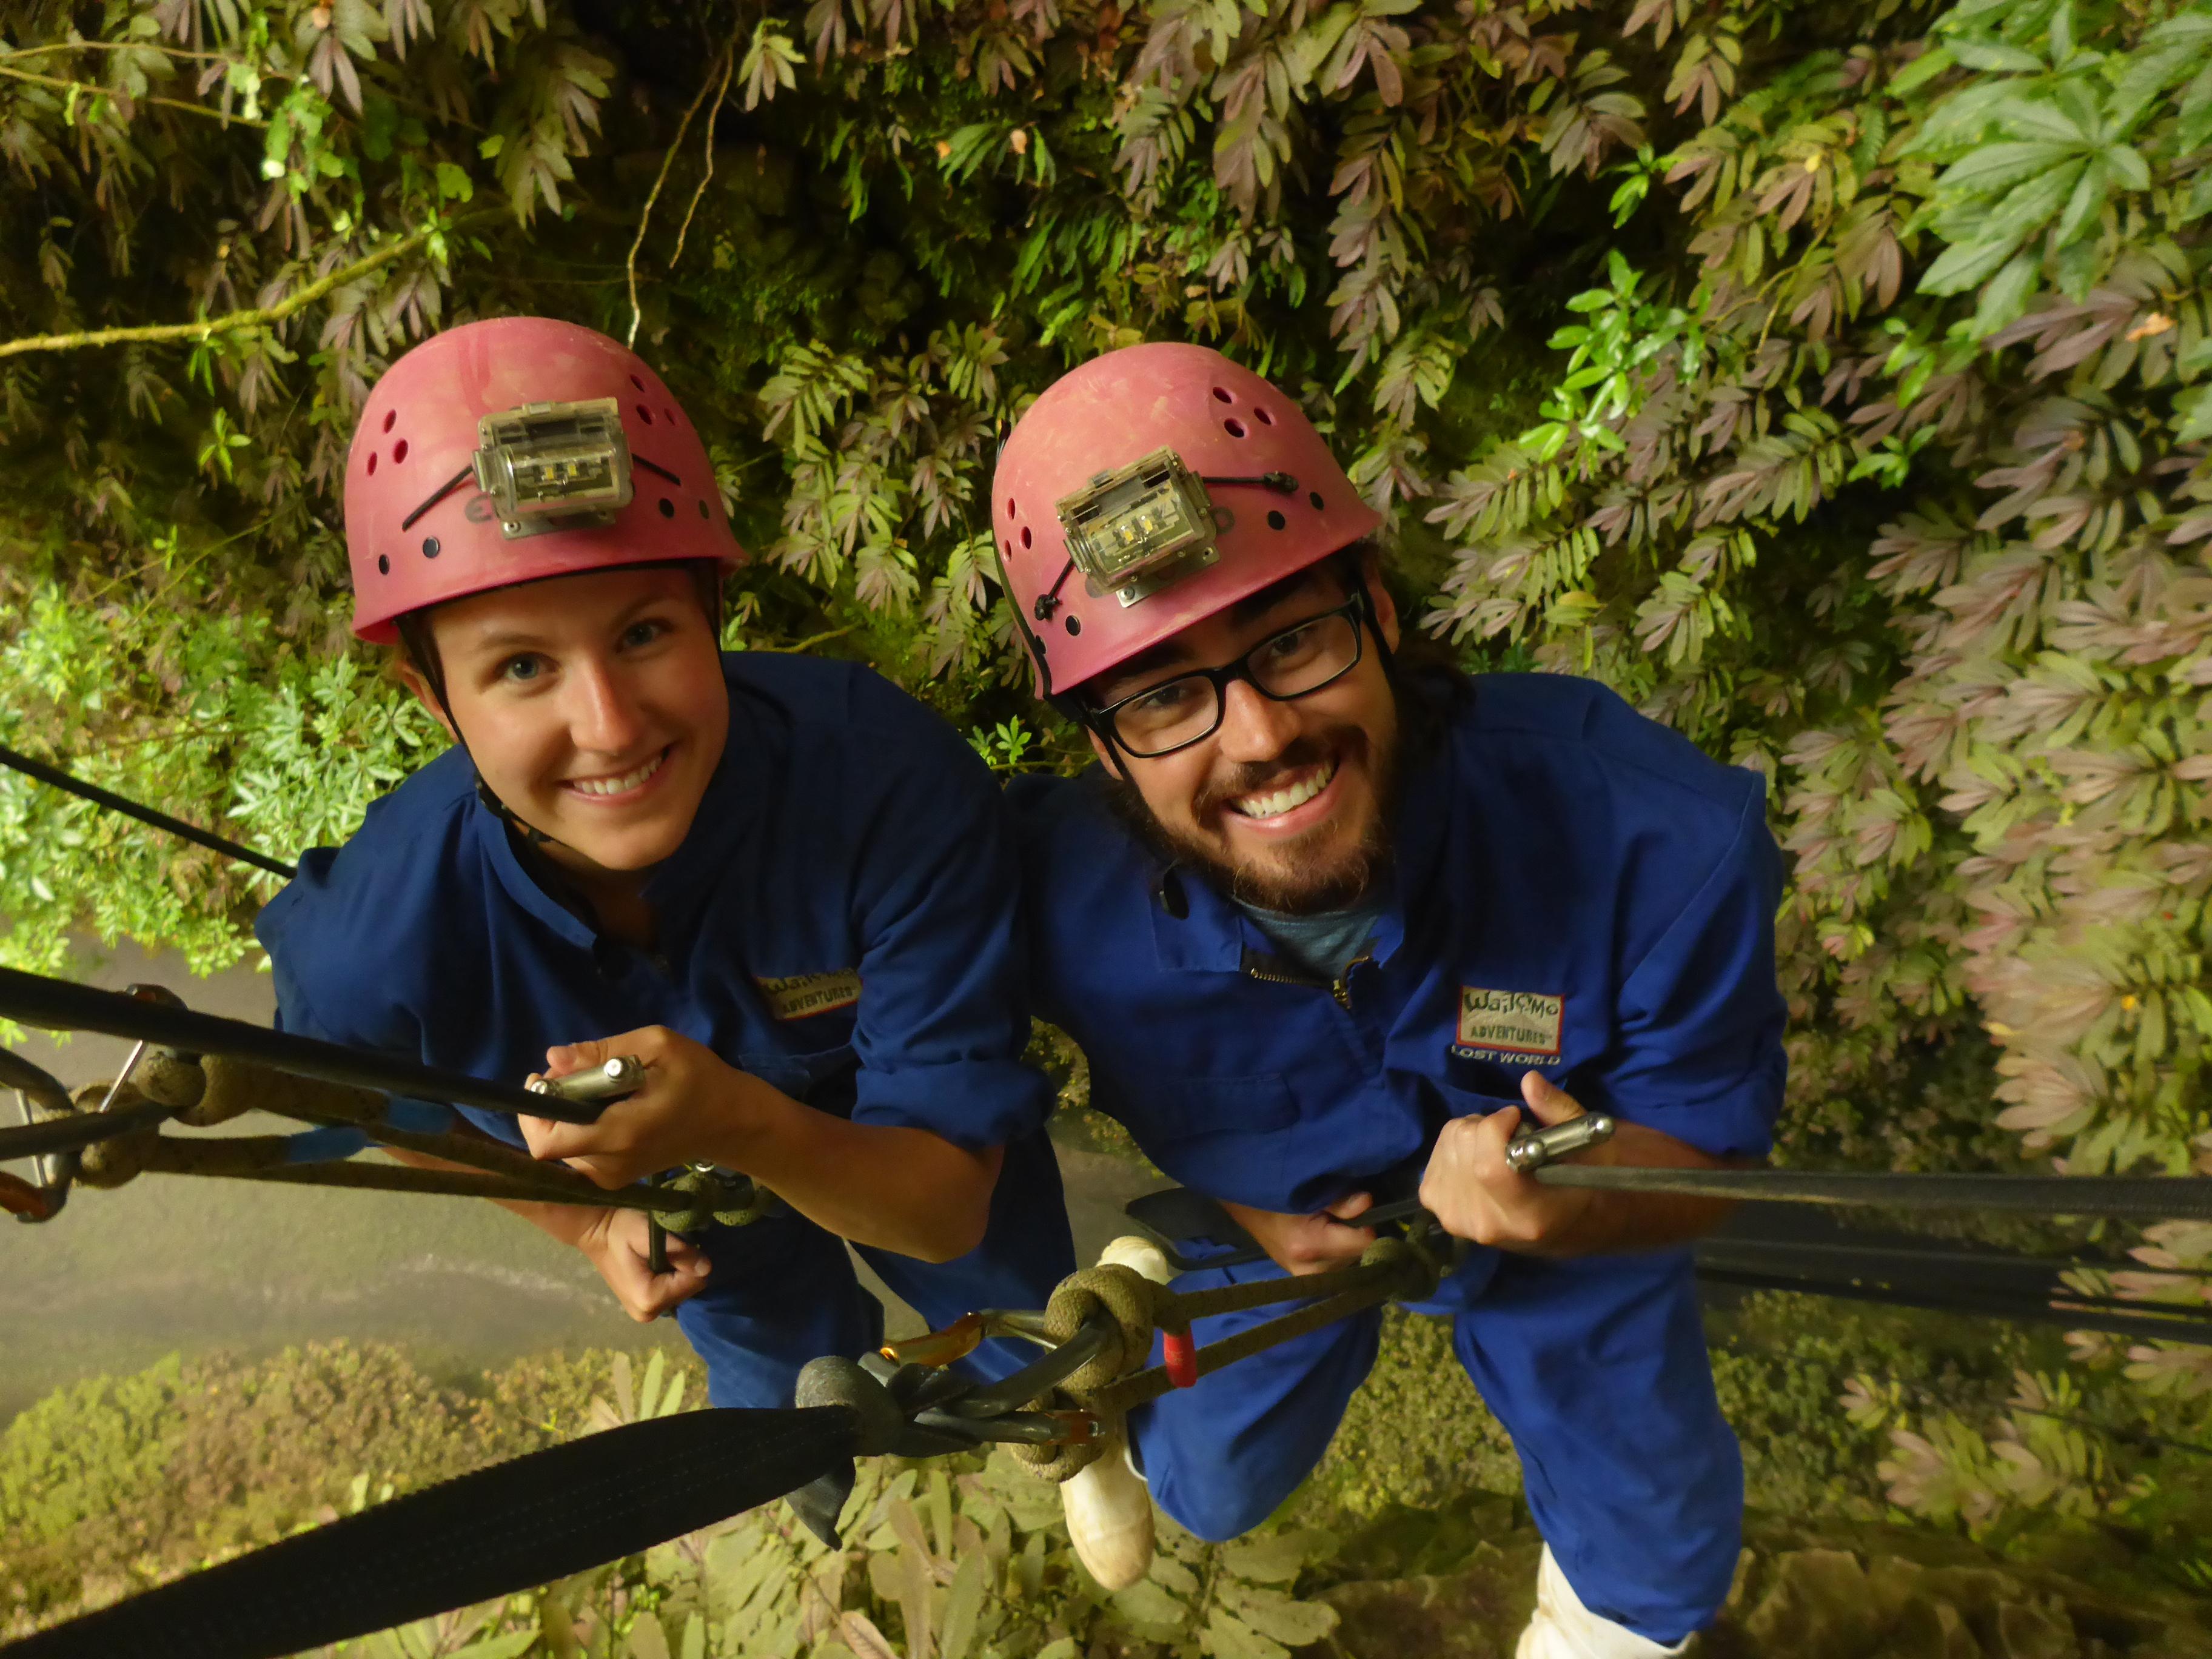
[800,995]
[1509,1022]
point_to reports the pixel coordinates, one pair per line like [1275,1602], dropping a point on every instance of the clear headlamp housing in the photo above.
[554,467]
[1133,532]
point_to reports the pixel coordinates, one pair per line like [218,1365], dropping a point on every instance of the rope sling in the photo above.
[516,1524]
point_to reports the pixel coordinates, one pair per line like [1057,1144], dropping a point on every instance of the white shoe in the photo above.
[1108,1504]
[1564,1628]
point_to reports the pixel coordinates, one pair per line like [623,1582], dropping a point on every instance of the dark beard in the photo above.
[1313,893]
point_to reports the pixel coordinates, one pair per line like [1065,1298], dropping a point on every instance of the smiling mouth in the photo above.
[1275,802]
[622,785]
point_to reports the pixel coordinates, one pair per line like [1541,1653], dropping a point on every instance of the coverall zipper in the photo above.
[1339,987]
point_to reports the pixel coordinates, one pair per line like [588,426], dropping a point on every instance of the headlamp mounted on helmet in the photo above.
[554,467]
[1134,531]
[1147,525]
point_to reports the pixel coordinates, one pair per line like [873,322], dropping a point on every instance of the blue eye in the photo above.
[643,633]
[520,670]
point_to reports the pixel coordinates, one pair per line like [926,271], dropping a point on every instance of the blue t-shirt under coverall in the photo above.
[847,832]
[1575,889]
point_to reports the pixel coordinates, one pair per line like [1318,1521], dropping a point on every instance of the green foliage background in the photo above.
[1869,447]
[1830,377]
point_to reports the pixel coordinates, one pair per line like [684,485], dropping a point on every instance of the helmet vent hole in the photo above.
[1233,427]
[390,415]
[399,452]
[1007,548]
[638,384]
[1025,535]
[1314,495]
[431,548]
[667,507]
[384,564]
[1261,415]
[1221,394]
[1075,624]
[1276,521]
[1011,510]
[703,507]
[668,414]
[645,413]
[372,464]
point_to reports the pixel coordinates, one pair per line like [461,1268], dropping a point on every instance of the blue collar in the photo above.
[753,754]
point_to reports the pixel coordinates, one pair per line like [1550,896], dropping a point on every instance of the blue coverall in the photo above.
[1575,888]
[840,921]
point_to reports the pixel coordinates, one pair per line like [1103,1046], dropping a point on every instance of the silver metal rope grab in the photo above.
[517,1524]
[207,1070]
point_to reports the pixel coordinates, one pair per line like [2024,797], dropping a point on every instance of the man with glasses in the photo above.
[1329,927]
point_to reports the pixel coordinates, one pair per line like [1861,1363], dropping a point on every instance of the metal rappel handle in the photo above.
[620,1076]
[1532,1149]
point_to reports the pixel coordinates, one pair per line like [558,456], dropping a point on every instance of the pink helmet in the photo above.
[513,449]
[1151,488]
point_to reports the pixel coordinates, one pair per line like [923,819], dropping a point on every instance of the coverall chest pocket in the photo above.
[1224,1135]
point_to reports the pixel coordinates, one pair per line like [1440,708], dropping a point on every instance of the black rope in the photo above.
[61,1005]
[77,1131]
[129,808]
[2195,1331]
[509,1528]
[2113,1198]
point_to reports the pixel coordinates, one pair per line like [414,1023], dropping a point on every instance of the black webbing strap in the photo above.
[55,778]
[2113,1198]
[503,1529]
[63,1005]
[2182,1326]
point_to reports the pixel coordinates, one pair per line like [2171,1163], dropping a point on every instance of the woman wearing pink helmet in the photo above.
[778,881]
[1327,927]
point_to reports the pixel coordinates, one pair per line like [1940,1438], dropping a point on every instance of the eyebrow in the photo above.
[508,639]
[1126,677]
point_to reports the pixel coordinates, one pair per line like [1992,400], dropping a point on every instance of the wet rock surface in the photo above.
[1460,1584]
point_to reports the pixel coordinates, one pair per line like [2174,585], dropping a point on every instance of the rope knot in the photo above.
[119,1158]
[1124,1295]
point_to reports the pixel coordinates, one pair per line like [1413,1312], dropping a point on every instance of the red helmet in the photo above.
[1151,488]
[522,447]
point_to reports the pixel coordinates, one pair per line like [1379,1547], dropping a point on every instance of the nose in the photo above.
[1254,728]
[603,711]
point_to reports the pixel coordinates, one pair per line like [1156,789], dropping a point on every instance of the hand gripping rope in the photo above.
[517,1524]
[560,1510]
[207,1071]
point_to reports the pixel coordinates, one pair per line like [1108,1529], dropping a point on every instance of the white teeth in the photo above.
[1282,800]
[615,786]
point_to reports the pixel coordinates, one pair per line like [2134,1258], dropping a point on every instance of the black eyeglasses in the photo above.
[1187,709]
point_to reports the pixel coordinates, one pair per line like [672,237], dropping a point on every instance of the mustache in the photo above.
[1250,777]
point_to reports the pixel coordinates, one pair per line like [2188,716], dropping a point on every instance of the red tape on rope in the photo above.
[1179,1353]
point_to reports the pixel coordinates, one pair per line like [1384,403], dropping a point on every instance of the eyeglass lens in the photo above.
[1289,665]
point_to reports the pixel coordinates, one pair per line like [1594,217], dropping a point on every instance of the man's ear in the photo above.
[1378,596]
[413,679]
